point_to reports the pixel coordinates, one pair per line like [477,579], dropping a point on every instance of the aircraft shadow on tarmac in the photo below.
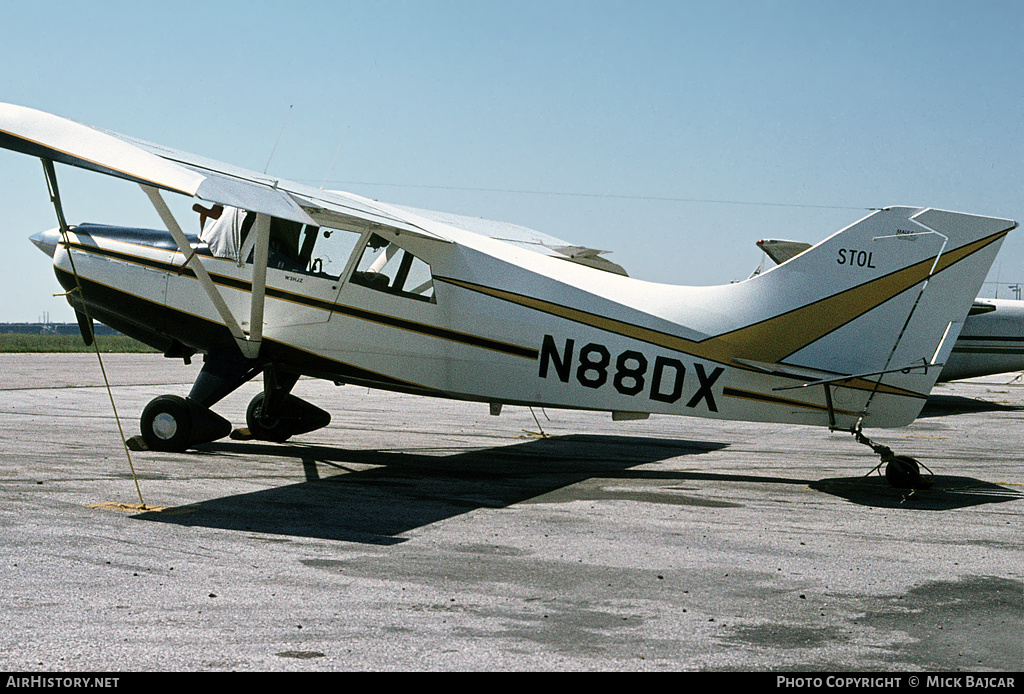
[945,494]
[404,491]
[407,491]
[946,405]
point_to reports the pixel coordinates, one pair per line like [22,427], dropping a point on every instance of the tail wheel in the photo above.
[167,424]
[903,472]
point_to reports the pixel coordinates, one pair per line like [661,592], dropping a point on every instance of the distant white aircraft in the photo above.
[285,280]
[990,342]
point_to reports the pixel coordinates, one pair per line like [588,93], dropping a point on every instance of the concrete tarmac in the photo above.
[420,534]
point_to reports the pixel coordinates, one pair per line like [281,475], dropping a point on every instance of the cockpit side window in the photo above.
[323,252]
[303,248]
[387,267]
[226,233]
[285,245]
[330,252]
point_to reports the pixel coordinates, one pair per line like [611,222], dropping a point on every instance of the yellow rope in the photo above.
[103,370]
[51,180]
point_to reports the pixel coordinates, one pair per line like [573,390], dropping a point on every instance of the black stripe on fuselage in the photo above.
[329,306]
[775,400]
[990,338]
[166,326]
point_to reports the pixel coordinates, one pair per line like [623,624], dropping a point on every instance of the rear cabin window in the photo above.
[387,267]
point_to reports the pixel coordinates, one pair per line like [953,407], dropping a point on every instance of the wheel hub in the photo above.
[165,426]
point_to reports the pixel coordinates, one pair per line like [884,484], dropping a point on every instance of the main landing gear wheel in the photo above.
[172,423]
[166,424]
[262,427]
[293,416]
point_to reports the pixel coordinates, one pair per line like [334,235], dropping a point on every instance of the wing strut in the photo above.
[250,345]
[84,319]
[259,279]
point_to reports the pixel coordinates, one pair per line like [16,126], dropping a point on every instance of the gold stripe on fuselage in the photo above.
[775,338]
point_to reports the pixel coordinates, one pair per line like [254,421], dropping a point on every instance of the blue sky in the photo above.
[674,134]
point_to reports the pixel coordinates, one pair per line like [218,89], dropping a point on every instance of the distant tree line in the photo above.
[51,329]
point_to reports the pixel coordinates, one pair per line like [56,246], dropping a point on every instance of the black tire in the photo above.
[265,429]
[903,472]
[167,424]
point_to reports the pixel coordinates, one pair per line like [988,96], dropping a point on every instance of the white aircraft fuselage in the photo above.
[991,342]
[285,281]
[498,325]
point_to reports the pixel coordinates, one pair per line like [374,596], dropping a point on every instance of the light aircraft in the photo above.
[287,281]
[990,342]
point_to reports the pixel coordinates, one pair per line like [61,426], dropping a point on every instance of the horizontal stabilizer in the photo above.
[780,251]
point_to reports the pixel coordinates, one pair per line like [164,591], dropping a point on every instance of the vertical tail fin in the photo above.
[899,284]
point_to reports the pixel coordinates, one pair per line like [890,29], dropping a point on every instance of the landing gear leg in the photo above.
[172,423]
[901,471]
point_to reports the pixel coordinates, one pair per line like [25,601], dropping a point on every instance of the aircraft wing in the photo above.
[350,208]
[523,237]
[62,140]
[52,137]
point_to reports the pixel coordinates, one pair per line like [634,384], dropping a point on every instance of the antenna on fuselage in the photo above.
[278,139]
